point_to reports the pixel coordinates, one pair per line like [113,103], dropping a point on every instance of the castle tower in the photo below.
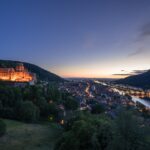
[20,67]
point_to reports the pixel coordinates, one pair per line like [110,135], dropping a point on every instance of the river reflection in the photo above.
[135,99]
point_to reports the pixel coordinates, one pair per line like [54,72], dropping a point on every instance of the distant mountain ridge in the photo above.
[140,80]
[41,73]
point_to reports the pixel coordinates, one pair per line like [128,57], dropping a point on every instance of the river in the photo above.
[135,99]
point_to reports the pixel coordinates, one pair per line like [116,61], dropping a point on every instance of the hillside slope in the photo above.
[23,136]
[41,73]
[140,80]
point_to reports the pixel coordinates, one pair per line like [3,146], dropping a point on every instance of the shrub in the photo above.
[86,133]
[97,109]
[28,112]
[2,128]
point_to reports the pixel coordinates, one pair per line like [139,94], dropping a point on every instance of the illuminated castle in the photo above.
[19,74]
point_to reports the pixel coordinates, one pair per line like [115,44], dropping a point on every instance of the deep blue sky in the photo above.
[90,38]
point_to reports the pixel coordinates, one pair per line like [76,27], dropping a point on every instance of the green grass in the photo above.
[22,136]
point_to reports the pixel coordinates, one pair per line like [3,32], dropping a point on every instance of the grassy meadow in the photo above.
[22,136]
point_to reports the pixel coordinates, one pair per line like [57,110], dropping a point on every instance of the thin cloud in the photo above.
[145,31]
[121,74]
[143,36]
[137,52]
[138,71]
[134,72]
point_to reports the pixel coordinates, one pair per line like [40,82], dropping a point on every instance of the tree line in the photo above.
[32,103]
[86,131]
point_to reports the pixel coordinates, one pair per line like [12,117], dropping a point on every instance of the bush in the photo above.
[71,104]
[128,133]
[7,113]
[2,128]
[97,109]
[28,112]
[86,133]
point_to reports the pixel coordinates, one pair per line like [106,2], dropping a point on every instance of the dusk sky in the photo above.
[77,38]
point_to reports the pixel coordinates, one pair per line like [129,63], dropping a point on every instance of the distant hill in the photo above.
[140,80]
[41,73]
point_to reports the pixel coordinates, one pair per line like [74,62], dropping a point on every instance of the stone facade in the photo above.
[18,74]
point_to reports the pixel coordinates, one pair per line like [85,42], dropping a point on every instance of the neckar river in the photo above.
[135,99]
